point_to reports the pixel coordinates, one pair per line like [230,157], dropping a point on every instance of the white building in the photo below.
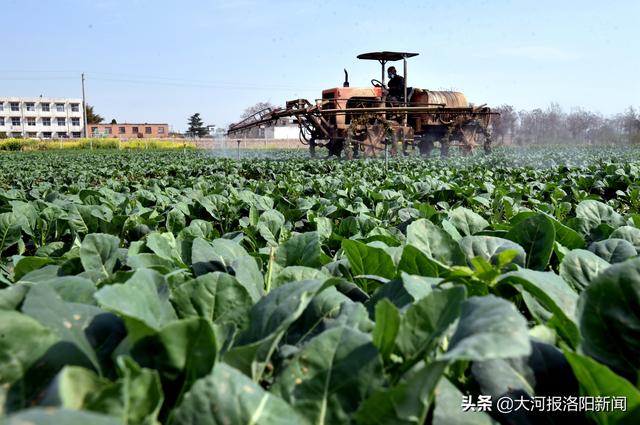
[41,117]
[282,129]
[282,132]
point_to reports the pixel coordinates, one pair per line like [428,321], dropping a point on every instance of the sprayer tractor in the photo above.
[371,121]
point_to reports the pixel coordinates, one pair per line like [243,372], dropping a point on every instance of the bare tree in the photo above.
[504,125]
[260,106]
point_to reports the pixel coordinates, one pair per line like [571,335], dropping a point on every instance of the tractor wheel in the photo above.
[334,146]
[487,145]
[487,141]
[348,149]
[426,146]
[312,148]
[444,148]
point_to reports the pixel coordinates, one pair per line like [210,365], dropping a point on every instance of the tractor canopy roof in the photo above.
[387,56]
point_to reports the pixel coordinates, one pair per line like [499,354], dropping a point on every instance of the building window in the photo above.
[32,135]
[31,122]
[30,106]
[46,122]
[75,122]
[15,120]
[134,130]
[1,106]
[2,121]
[15,106]
[45,107]
[61,121]
[122,130]
[94,130]
[62,135]
[60,107]
[76,135]
[160,130]
[147,130]
[107,130]
[75,107]
[46,135]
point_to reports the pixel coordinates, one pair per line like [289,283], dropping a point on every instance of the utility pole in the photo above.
[84,107]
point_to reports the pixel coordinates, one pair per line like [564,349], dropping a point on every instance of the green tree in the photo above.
[196,127]
[92,117]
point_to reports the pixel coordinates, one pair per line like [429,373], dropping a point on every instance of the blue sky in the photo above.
[161,61]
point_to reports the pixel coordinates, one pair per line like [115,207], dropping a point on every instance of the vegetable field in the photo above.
[151,287]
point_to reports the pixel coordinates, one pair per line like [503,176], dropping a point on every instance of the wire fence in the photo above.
[227,143]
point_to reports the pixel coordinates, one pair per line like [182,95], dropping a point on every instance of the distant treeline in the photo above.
[553,125]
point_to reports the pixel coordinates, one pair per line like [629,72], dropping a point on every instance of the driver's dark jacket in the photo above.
[396,86]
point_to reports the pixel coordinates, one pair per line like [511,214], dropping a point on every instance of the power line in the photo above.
[204,85]
[153,80]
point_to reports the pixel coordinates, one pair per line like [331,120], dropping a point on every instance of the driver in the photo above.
[396,83]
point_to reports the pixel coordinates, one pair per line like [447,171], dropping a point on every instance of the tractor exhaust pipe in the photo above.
[346,79]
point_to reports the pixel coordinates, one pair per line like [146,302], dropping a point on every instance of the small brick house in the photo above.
[129,131]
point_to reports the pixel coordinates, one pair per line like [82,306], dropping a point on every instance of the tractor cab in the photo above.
[383,58]
[347,97]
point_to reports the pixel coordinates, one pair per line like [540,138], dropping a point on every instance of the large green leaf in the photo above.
[329,378]
[10,230]
[269,226]
[426,321]
[613,250]
[72,386]
[405,403]
[165,246]
[324,306]
[545,372]
[386,327]
[609,314]
[448,408]
[566,235]
[22,342]
[135,398]
[628,233]
[489,328]
[214,256]
[300,250]
[596,212]
[490,247]
[554,295]
[224,255]
[11,297]
[368,260]
[467,221]
[99,253]
[297,273]
[68,321]
[181,351]
[434,242]
[73,289]
[596,380]
[226,396]
[217,296]
[579,267]
[268,321]
[403,292]
[414,261]
[536,235]
[142,301]
[29,264]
